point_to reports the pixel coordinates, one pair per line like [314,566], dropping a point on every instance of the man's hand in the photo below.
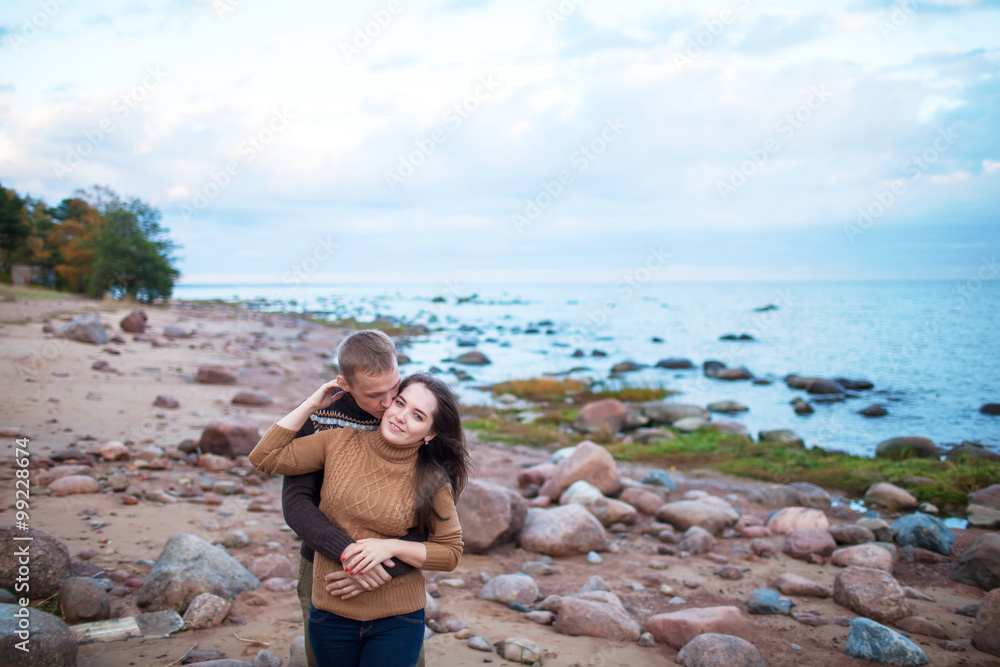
[345,586]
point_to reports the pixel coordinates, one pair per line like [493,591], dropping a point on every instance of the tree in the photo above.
[73,243]
[14,228]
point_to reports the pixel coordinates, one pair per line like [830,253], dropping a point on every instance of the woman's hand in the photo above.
[363,555]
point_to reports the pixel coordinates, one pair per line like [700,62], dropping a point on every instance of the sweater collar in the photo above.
[393,453]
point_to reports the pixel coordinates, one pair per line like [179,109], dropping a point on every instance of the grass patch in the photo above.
[389,328]
[35,293]
[578,392]
[503,426]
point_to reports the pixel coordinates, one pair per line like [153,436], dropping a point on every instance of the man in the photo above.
[370,378]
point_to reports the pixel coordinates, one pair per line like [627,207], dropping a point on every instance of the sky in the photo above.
[521,141]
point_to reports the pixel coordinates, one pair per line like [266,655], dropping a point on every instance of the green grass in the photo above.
[578,392]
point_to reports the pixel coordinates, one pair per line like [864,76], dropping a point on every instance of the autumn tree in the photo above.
[14,229]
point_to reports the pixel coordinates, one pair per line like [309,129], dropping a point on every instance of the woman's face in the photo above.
[410,418]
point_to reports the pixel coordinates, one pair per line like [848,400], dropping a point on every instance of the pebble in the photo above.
[517,606]
[464,633]
[636,586]
[452,583]
[594,558]
[676,600]
[480,644]
[667,589]
[646,640]
[541,617]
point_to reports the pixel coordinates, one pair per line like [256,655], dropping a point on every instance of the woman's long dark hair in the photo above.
[445,459]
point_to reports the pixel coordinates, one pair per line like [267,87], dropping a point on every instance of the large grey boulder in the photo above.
[980,564]
[85,329]
[873,641]
[49,641]
[563,531]
[490,514]
[667,413]
[49,561]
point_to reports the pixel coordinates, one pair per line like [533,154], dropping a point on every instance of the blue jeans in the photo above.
[393,641]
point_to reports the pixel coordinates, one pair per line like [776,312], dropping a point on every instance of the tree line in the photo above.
[96,241]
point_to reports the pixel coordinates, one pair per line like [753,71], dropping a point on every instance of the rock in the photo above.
[473,358]
[47,477]
[822,386]
[782,437]
[788,519]
[508,588]
[697,540]
[690,424]
[605,618]
[971,450]
[674,363]
[278,584]
[659,477]
[729,427]
[646,640]
[925,532]
[872,593]
[82,600]
[804,542]
[767,601]
[907,447]
[230,436]
[879,527]
[562,531]
[113,451]
[50,561]
[874,410]
[68,454]
[863,555]
[978,566]
[849,533]
[588,462]
[814,496]
[535,475]
[85,329]
[480,644]
[711,513]
[252,397]
[921,626]
[607,510]
[727,407]
[195,656]
[273,565]
[540,617]
[793,584]
[206,611]
[891,497]
[134,322]
[677,628]
[50,642]
[626,367]
[869,640]
[762,548]
[594,558]
[645,501]
[992,409]
[172,331]
[781,495]
[265,658]
[490,514]
[986,628]
[189,566]
[519,650]
[595,583]
[718,650]
[215,374]
[537,568]
[984,507]
[167,402]
[297,653]
[667,413]
[607,415]
[733,374]
[802,407]
[731,572]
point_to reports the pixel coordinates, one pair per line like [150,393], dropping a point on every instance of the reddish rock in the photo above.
[50,561]
[113,451]
[206,611]
[605,415]
[588,462]
[215,463]
[168,402]
[719,650]
[678,628]
[863,555]
[215,375]
[126,499]
[986,628]
[46,477]
[792,584]
[788,519]
[489,514]
[563,531]
[697,540]
[891,497]
[230,436]
[536,475]
[645,501]
[252,397]
[851,533]
[922,626]
[805,542]
[74,484]
[604,618]
[871,593]
[754,532]
[134,322]
[83,600]
[762,548]
[272,565]
[980,564]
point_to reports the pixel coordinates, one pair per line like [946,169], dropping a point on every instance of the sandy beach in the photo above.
[56,399]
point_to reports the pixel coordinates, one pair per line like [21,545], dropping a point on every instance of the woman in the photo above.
[408,472]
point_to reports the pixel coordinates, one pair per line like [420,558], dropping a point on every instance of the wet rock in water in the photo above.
[823,386]
[508,588]
[82,600]
[596,616]
[719,650]
[206,611]
[806,542]
[711,513]
[871,593]
[50,561]
[490,514]
[607,415]
[563,531]
[733,374]
[519,650]
[971,450]
[870,640]
[677,628]
[273,565]
[782,437]
[230,436]
[84,329]
[767,601]
[863,555]
[697,540]
[189,566]
[978,566]
[874,410]
[645,501]
[674,363]
[659,412]
[986,628]
[925,532]
[50,643]
[922,626]
[992,409]
[792,584]
[252,397]
[473,358]
[907,447]
[802,407]
[588,462]
[984,507]
[659,477]
[891,497]
[214,374]
[849,533]
[167,402]
[627,367]
[134,322]
[727,407]
[788,519]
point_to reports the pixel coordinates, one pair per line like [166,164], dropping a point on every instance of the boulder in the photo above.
[214,374]
[589,462]
[134,322]
[733,374]
[782,437]
[793,584]
[922,626]
[189,566]
[607,415]
[85,329]
[473,358]
[872,593]
[986,628]
[230,436]
[924,531]
[891,497]
[50,643]
[717,650]
[823,386]
[850,533]
[690,424]
[978,566]
[73,485]
[805,542]
[869,640]
[83,600]
[536,474]
[711,513]
[626,367]
[984,507]
[874,410]
[907,447]
[490,514]
[273,565]
[674,363]
[727,407]
[781,495]
[814,496]
[768,601]
[50,562]
[697,540]
[992,409]
[667,413]
[863,555]
[969,450]
[252,397]
[563,531]
[603,617]
[788,519]
[206,611]
[645,501]
[519,650]
[679,627]
[509,588]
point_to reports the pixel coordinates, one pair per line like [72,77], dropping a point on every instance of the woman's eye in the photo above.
[418,418]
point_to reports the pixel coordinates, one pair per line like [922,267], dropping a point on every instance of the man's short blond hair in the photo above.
[369,351]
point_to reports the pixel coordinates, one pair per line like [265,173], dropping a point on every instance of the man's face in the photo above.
[374,393]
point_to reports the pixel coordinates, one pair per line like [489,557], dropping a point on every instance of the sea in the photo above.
[930,348]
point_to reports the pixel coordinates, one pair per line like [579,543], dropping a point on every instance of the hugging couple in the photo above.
[373,469]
